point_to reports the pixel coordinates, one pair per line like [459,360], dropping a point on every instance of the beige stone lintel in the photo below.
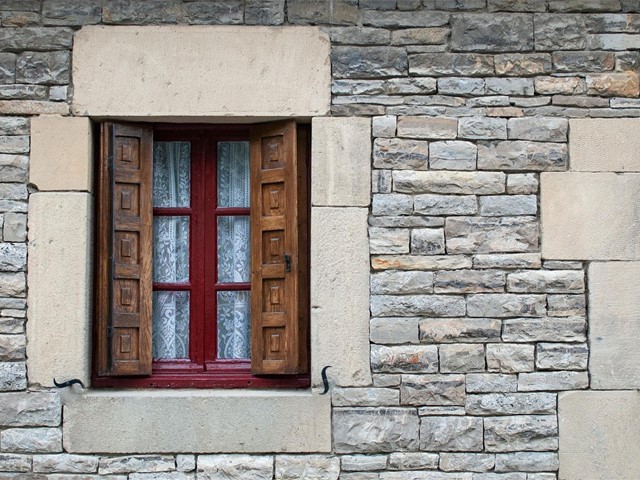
[201,71]
[341,154]
[61,153]
[205,421]
[599,435]
[59,279]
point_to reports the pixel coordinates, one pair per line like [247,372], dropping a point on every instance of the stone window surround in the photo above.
[60,222]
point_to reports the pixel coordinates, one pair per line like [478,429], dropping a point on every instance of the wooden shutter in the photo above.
[124,243]
[279,251]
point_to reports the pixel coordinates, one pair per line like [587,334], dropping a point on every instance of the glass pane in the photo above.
[233,174]
[170,249]
[171,174]
[234,324]
[170,325]
[234,263]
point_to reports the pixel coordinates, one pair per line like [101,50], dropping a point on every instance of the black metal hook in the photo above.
[325,380]
[68,383]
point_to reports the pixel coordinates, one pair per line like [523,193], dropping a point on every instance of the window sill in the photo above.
[205,421]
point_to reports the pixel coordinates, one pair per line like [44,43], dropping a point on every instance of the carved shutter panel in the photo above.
[124,242]
[279,305]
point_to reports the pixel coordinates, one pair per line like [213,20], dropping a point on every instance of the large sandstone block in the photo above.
[599,434]
[590,216]
[59,278]
[605,145]
[207,421]
[61,153]
[341,154]
[614,325]
[340,291]
[259,71]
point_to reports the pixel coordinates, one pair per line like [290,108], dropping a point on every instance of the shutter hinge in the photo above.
[110,331]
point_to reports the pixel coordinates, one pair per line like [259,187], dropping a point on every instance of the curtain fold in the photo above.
[171,188]
[234,261]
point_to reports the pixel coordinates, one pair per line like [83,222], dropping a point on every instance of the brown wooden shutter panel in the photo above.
[124,242]
[279,253]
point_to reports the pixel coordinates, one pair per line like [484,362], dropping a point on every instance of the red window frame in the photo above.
[203,369]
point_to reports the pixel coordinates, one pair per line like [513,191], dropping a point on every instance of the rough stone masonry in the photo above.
[473,334]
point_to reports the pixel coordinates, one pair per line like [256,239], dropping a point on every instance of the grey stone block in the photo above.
[354,62]
[491,382]
[432,390]
[492,32]
[527,462]
[427,241]
[375,430]
[394,330]
[461,358]
[413,461]
[480,183]
[510,358]
[35,39]
[548,329]
[36,409]
[391,282]
[505,205]
[559,32]
[451,434]
[562,356]
[552,381]
[340,12]
[491,235]
[523,64]
[404,359]
[48,68]
[430,204]
[478,128]
[229,12]
[466,462]
[521,155]
[71,12]
[527,433]
[400,154]
[123,12]
[410,305]
[451,64]
[428,128]
[31,440]
[405,19]
[264,12]
[506,305]
[436,330]
[452,155]
[65,463]
[469,281]
[547,281]
[511,404]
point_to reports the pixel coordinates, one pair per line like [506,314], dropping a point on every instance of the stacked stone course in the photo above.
[472,333]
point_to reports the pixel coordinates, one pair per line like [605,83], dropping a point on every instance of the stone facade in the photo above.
[479,330]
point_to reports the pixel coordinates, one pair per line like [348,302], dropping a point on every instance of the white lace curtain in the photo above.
[171,188]
[234,263]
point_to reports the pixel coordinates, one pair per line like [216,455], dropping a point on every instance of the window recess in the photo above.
[202,256]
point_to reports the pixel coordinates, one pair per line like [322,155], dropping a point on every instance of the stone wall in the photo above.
[474,332]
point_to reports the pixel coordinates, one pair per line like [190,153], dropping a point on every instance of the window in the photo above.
[202,256]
